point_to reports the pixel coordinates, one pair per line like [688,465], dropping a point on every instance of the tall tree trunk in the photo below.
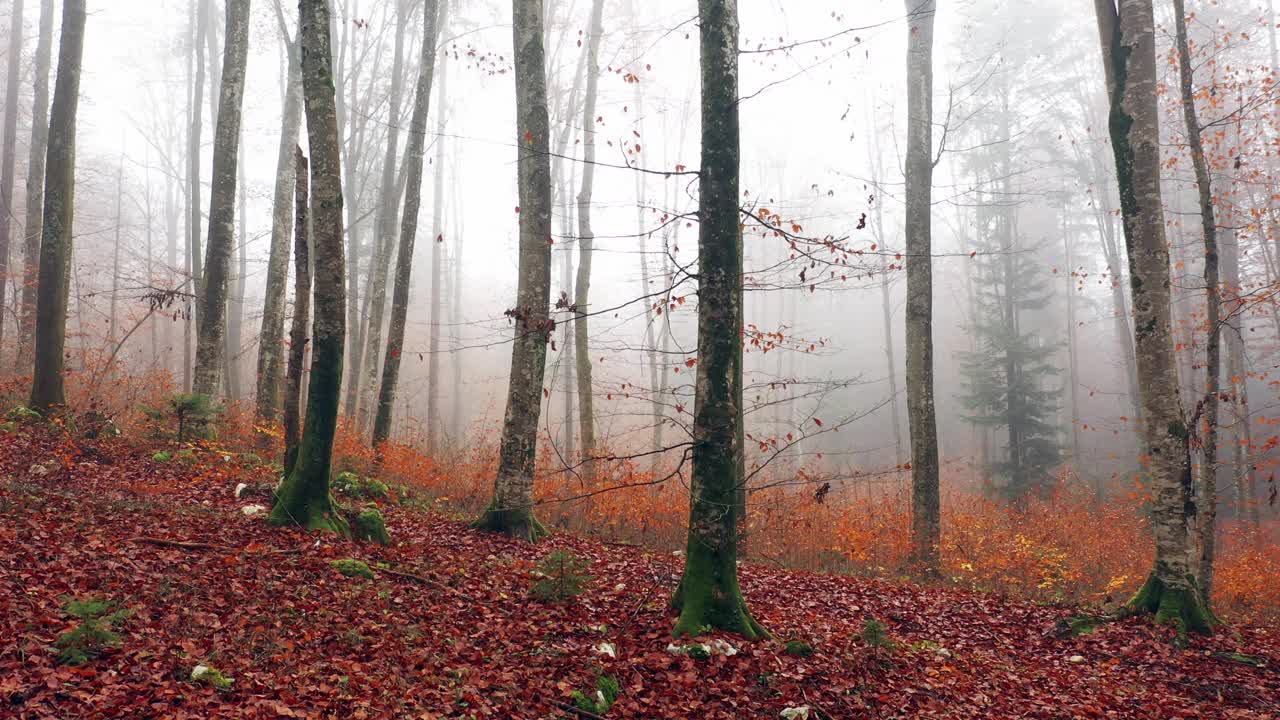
[301,311]
[112,320]
[222,203]
[388,204]
[511,510]
[235,299]
[59,204]
[1207,529]
[1073,355]
[921,416]
[437,248]
[1127,37]
[303,498]
[417,148]
[586,241]
[272,335]
[355,344]
[194,260]
[9,150]
[35,184]
[709,593]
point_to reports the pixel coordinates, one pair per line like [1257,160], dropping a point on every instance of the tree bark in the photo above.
[709,593]
[586,241]
[921,415]
[59,204]
[222,204]
[303,498]
[1127,37]
[417,148]
[35,184]
[437,248]
[1207,529]
[388,204]
[301,311]
[511,510]
[10,149]
[196,109]
[272,335]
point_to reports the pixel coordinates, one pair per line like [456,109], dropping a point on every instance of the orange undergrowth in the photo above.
[1066,547]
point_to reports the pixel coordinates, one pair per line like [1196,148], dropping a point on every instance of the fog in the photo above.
[1023,177]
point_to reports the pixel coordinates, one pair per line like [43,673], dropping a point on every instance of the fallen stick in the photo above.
[574,708]
[162,542]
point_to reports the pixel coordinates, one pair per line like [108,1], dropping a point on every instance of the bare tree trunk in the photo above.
[115,257]
[194,260]
[303,498]
[10,150]
[301,311]
[355,344]
[1127,37]
[35,184]
[1207,529]
[511,511]
[921,415]
[414,152]
[709,593]
[273,307]
[56,233]
[586,241]
[1073,364]
[437,249]
[388,204]
[235,299]
[222,199]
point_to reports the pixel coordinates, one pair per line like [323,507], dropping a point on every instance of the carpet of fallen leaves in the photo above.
[448,629]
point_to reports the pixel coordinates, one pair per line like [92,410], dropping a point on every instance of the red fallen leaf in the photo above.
[817,422]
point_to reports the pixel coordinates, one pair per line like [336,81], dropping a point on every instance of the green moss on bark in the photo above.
[518,523]
[709,597]
[1183,607]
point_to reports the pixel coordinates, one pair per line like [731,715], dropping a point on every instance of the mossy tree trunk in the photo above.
[271,337]
[222,204]
[301,311]
[921,414]
[708,594]
[303,498]
[35,184]
[1127,37]
[1213,347]
[59,202]
[511,511]
[414,152]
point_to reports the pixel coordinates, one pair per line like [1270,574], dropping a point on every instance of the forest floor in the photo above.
[446,628]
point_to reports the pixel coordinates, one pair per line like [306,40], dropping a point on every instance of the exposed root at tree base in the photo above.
[1183,607]
[519,524]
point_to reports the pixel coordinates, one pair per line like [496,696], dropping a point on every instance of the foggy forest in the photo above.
[619,359]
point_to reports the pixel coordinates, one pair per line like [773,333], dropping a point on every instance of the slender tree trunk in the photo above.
[9,151]
[355,344]
[301,311]
[194,259]
[56,232]
[222,203]
[709,593]
[1073,360]
[273,309]
[388,204]
[303,498]
[437,249]
[921,415]
[1127,37]
[112,320]
[35,184]
[511,511]
[1207,529]
[586,241]
[417,148]
[235,301]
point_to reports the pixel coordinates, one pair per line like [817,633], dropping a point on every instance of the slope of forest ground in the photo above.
[446,628]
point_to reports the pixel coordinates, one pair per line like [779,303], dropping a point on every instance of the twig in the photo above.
[175,543]
[432,583]
[576,709]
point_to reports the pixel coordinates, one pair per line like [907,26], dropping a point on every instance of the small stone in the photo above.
[1076,659]
[608,649]
[240,489]
[795,713]
[943,652]
[38,470]
[252,510]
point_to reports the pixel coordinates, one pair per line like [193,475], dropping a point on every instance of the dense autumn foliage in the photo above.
[446,628]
